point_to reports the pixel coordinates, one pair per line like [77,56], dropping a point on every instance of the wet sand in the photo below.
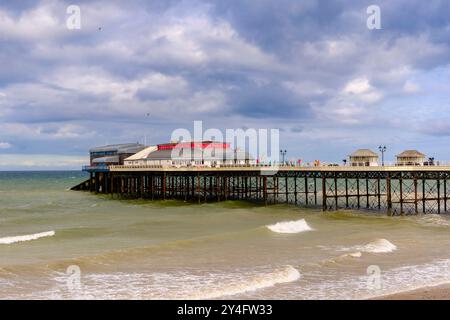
[428,293]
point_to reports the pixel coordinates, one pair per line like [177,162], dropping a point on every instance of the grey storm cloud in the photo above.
[312,68]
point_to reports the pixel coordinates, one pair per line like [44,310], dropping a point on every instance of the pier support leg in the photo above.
[265,189]
[96,184]
[400,180]
[306,191]
[164,186]
[315,192]
[295,190]
[438,186]
[358,193]
[367,191]
[336,199]
[416,197]
[424,209]
[286,181]
[388,195]
[445,194]
[346,193]
[324,194]
[379,192]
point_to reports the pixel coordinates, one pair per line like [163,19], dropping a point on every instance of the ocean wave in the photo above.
[28,237]
[413,277]
[357,285]
[114,256]
[357,254]
[256,282]
[180,285]
[333,261]
[290,226]
[376,246]
[435,220]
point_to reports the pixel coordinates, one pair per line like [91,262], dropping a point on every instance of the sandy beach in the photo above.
[429,293]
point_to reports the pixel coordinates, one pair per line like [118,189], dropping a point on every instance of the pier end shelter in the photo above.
[363,158]
[411,158]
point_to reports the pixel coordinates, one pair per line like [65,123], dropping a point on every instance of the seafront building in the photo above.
[411,158]
[185,154]
[113,154]
[216,154]
[363,158]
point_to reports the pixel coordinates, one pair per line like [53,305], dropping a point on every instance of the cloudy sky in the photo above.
[141,69]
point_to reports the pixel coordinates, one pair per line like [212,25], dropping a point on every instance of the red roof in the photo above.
[193,144]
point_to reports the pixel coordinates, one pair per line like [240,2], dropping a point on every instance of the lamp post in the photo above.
[382,150]
[283,154]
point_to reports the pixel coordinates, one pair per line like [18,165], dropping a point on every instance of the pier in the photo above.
[396,190]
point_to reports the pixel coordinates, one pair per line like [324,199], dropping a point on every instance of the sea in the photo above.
[62,244]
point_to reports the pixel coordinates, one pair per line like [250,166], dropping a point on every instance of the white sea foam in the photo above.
[256,282]
[323,284]
[357,254]
[435,220]
[290,226]
[174,286]
[376,246]
[28,237]
[350,285]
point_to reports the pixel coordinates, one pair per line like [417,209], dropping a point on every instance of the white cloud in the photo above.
[305,88]
[357,86]
[362,90]
[351,105]
[5,145]
[200,40]
[40,22]
[97,82]
[47,20]
[410,87]
[64,131]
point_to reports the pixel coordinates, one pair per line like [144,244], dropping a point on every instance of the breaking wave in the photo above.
[435,220]
[376,246]
[290,226]
[256,282]
[357,254]
[28,237]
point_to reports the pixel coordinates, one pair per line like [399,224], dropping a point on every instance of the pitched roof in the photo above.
[142,154]
[197,154]
[411,154]
[120,148]
[364,153]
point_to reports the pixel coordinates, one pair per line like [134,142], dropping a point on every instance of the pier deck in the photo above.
[281,168]
[395,190]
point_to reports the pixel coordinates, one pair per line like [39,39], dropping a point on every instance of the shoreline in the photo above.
[438,292]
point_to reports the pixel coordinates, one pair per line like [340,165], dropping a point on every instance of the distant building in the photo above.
[113,154]
[207,153]
[411,158]
[363,158]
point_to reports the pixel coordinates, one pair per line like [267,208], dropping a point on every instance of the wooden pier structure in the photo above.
[394,190]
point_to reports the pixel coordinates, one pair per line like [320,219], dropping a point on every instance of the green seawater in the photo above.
[56,243]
